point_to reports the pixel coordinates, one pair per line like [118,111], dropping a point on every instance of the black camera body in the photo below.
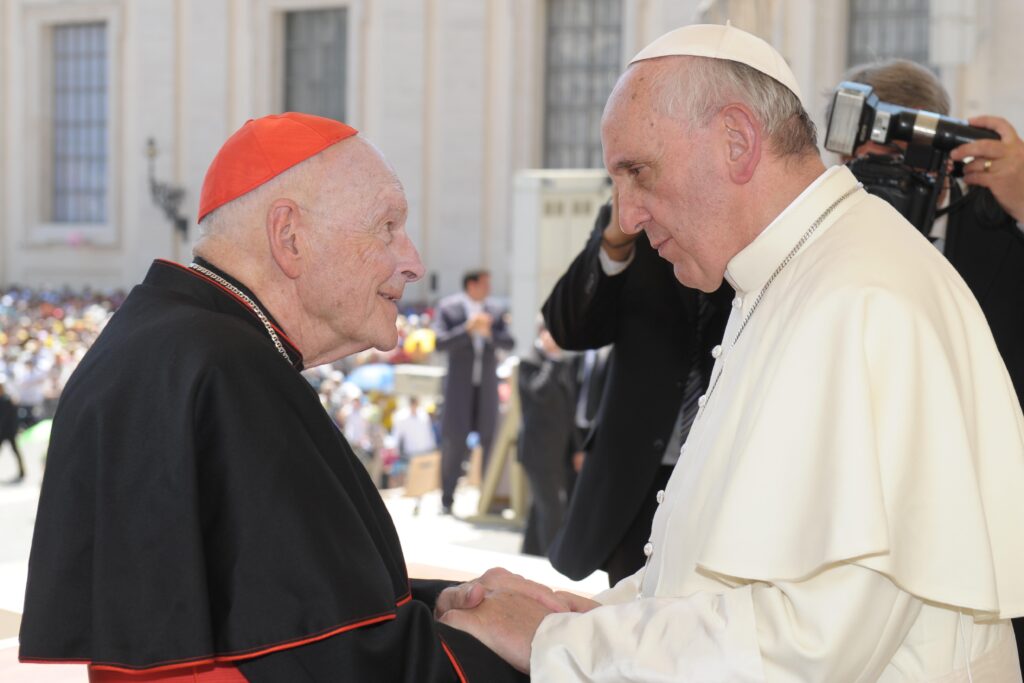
[909,191]
[913,180]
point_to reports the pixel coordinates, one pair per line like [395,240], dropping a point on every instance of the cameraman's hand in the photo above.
[998,164]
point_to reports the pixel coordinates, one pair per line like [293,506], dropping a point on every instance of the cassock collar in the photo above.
[750,269]
[222,295]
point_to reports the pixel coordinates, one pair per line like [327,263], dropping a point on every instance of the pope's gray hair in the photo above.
[694,93]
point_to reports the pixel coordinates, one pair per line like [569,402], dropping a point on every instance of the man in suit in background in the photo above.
[470,328]
[547,437]
[618,291]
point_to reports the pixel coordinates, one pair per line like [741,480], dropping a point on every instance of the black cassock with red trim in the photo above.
[200,505]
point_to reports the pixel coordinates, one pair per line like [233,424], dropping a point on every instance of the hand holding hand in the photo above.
[503,611]
[997,165]
[505,622]
[470,594]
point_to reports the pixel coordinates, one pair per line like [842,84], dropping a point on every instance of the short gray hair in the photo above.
[710,84]
[902,82]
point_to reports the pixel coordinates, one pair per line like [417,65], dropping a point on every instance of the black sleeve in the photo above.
[427,590]
[501,336]
[448,335]
[582,310]
[411,648]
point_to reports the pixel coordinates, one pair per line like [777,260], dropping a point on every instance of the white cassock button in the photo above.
[702,400]
[660,497]
[737,302]
[648,549]
[717,351]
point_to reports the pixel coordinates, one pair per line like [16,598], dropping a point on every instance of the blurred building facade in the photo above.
[459,94]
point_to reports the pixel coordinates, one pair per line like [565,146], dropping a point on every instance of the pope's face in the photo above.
[362,257]
[666,182]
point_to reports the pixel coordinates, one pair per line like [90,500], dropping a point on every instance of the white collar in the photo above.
[748,270]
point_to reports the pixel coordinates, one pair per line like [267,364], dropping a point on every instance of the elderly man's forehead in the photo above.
[634,88]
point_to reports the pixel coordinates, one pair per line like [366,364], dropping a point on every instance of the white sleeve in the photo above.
[610,266]
[843,624]
[625,590]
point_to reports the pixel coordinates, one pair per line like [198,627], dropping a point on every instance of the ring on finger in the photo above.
[987,166]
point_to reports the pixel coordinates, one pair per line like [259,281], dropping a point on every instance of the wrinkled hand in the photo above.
[1005,159]
[503,611]
[505,622]
[470,594]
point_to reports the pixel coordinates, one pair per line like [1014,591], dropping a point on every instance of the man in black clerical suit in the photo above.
[470,328]
[618,291]
[201,514]
[547,437]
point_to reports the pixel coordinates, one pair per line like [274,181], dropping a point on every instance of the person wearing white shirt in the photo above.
[849,503]
[413,430]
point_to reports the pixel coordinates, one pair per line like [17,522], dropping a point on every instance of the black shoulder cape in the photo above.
[200,505]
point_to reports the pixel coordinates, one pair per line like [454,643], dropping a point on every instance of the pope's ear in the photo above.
[743,140]
[283,238]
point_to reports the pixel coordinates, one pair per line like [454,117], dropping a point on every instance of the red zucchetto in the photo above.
[263,148]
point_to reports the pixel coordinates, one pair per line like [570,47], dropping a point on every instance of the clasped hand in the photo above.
[503,611]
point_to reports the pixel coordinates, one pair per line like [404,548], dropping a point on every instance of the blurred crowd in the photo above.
[359,393]
[43,335]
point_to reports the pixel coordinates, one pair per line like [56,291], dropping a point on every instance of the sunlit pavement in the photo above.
[435,546]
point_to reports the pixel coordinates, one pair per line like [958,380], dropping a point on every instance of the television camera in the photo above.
[912,179]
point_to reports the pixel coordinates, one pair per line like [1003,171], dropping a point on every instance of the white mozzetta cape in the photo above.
[850,502]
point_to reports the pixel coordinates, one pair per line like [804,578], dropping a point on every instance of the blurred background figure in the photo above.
[413,433]
[547,437]
[9,429]
[470,328]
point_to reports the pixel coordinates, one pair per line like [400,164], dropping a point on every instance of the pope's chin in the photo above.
[699,281]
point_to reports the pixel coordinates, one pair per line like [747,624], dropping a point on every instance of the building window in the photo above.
[315,43]
[80,124]
[886,29]
[583,61]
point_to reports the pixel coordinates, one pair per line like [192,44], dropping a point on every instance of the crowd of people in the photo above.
[45,332]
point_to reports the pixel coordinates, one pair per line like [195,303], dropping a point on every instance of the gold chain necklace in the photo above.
[248,302]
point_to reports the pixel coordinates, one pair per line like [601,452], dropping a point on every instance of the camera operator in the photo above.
[981,238]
